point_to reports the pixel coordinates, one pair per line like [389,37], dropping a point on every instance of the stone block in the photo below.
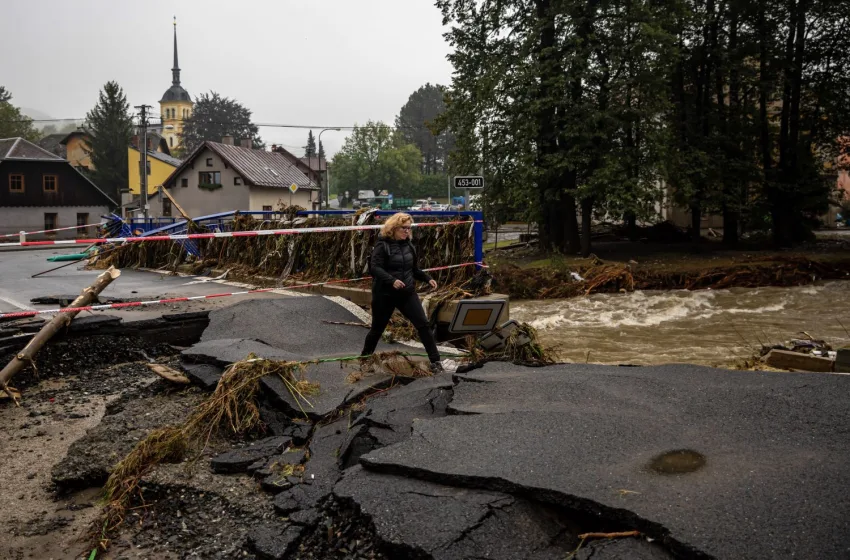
[785,359]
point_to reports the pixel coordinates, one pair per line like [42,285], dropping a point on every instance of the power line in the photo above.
[263,125]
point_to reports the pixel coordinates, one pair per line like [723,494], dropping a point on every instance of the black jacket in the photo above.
[395,260]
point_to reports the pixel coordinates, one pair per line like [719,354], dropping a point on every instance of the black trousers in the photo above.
[383,305]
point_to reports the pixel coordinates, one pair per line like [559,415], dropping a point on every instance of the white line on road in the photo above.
[19,305]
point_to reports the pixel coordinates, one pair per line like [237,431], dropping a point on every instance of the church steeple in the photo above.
[175,72]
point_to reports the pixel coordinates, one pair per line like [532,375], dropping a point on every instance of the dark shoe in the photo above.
[437,367]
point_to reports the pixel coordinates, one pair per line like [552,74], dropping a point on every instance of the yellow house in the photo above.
[175,105]
[78,149]
[160,166]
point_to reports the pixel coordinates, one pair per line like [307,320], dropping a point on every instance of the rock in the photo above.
[299,432]
[273,543]
[842,360]
[785,359]
[305,517]
[205,376]
[239,460]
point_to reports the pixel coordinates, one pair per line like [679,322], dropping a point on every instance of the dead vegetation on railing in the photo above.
[312,256]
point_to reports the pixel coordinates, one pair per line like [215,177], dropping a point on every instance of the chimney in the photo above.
[247,143]
[227,140]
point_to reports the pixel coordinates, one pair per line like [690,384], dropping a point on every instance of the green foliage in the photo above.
[373,158]
[321,151]
[214,117]
[731,107]
[310,151]
[110,127]
[414,123]
[13,123]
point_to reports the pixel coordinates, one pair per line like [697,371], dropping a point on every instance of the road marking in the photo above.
[17,304]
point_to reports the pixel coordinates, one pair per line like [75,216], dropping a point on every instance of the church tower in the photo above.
[175,105]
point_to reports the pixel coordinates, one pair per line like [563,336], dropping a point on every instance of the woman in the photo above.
[394,275]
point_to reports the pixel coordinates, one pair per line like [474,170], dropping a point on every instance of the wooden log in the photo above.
[169,374]
[784,359]
[61,320]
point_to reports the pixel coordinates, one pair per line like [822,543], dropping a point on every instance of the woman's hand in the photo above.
[398,285]
[433,284]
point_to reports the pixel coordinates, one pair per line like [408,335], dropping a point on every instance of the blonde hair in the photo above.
[394,222]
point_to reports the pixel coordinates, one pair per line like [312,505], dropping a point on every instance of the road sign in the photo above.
[293,187]
[469,182]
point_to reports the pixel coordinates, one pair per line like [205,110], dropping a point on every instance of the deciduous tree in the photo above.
[214,117]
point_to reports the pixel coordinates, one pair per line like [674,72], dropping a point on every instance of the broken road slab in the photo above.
[302,326]
[588,437]
[423,519]
[336,389]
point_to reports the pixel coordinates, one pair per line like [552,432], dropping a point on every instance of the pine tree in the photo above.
[310,152]
[321,151]
[110,128]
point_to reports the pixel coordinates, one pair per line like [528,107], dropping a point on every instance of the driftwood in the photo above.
[169,374]
[61,320]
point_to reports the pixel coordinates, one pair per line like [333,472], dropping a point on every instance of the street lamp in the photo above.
[328,200]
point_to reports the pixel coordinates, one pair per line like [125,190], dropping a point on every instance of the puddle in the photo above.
[679,461]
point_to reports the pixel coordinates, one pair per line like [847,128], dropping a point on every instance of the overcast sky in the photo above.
[311,62]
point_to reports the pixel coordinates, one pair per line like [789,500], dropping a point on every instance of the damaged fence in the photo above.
[336,246]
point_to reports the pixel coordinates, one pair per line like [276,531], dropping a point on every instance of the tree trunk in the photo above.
[730,226]
[571,225]
[630,220]
[586,225]
[61,320]
[696,222]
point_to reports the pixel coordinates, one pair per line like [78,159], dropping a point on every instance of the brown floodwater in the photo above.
[710,327]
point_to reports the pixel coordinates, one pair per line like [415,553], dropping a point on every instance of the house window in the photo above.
[267,209]
[82,220]
[171,141]
[237,180]
[166,207]
[184,182]
[50,183]
[16,183]
[209,162]
[50,220]
[209,178]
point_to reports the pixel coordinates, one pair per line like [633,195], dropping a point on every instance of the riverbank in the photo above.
[617,267]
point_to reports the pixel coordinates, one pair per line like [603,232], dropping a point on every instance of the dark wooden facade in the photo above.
[72,189]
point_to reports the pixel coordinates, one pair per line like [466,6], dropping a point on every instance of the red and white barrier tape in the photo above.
[22,314]
[55,229]
[253,233]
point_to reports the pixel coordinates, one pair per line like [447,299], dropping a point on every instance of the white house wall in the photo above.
[203,202]
[264,196]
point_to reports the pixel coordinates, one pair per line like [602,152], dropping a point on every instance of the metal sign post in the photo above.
[292,189]
[467,182]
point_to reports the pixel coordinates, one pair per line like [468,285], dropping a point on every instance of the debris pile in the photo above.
[600,277]
[333,255]
[801,354]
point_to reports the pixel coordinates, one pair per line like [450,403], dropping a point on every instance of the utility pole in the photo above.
[143,150]
[321,193]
